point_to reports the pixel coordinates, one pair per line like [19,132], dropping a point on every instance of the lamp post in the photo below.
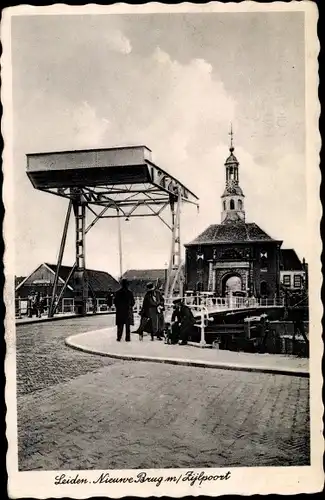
[166,269]
[119,232]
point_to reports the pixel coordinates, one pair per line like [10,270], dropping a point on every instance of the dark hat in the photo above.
[177,301]
[150,286]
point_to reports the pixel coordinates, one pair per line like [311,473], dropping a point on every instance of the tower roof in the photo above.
[231,160]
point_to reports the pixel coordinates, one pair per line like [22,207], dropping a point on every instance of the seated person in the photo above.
[182,323]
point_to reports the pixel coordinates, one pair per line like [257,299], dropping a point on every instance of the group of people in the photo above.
[152,319]
[36,304]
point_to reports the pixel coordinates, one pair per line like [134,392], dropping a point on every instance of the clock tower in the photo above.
[232,200]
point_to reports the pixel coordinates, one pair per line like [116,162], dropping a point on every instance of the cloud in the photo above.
[182,111]
[118,42]
[87,128]
[190,110]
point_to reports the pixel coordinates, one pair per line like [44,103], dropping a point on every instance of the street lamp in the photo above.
[119,232]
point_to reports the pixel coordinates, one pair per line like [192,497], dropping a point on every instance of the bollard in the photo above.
[202,327]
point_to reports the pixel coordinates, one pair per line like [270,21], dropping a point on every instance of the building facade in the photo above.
[293,272]
[41,280]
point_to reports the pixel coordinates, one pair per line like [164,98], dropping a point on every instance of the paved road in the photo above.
[43,359]
[78,411]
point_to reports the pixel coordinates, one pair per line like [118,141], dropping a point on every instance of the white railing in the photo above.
[204,301]
[198,310]
[223,303]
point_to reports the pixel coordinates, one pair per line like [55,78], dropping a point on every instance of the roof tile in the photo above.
[231,232]
[100,281]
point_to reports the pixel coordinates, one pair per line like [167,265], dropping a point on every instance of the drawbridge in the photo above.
[117,183]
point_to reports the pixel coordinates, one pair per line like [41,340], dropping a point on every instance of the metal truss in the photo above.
[117,201]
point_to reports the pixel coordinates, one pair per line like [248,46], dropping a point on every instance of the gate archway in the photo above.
[231,282]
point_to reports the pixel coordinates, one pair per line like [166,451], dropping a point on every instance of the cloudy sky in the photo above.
[173,82]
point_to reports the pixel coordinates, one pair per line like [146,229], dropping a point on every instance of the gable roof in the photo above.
[18,280]
[145,274]
[290,260]
[236,232]
[99,281]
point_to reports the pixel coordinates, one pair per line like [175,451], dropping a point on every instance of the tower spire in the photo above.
[231,149]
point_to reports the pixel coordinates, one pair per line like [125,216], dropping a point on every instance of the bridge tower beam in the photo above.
[52,305]
[80,275]
[175,278]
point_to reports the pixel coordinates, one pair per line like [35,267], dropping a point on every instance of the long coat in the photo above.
[124,302]
[184,317]
[149,310]
[161,309]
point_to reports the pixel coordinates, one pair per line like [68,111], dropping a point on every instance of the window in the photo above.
[297,281]
[287,280]
[232,205]
[240,205]
[224,205]
[263,259]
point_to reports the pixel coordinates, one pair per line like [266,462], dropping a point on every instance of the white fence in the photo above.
[199,303]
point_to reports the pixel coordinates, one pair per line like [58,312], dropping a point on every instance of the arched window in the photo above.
[224,205]
[240,205]
[232,205]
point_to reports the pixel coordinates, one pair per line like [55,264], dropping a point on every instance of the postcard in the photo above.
[162,249]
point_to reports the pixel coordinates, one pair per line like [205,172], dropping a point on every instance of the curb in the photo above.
[58,318]
[198,364]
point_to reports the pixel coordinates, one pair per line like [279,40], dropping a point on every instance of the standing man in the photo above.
[36,304]
[124,302]
[109,298]
[30,299]
[160,312]
[149,313]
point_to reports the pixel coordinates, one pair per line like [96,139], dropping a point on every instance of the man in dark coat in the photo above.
[109,298]
[124,302]
[182,321]
[149,313]
[160,311]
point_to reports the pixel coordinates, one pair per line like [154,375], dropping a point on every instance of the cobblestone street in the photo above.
[43,359]
[80,411]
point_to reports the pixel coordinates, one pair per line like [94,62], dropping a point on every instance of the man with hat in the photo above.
[124,302]
[149,313]
[182,321]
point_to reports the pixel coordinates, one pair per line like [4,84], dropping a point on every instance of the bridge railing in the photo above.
[223,303]
[196,303]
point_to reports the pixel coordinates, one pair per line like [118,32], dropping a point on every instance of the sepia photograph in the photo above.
[162,261]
